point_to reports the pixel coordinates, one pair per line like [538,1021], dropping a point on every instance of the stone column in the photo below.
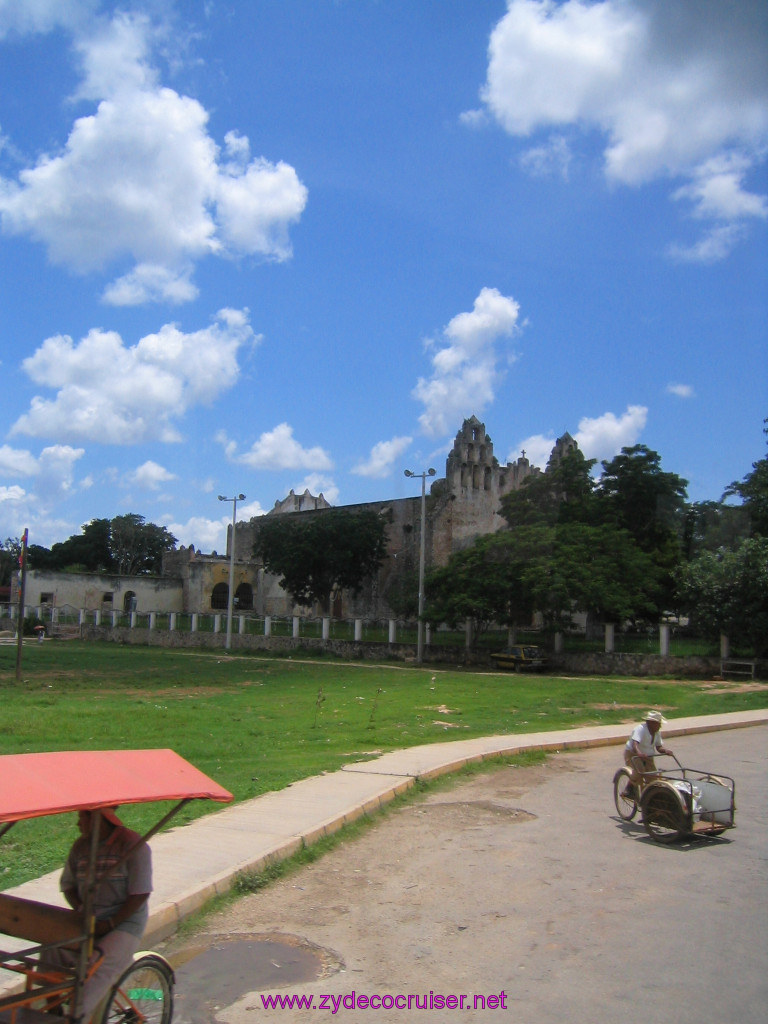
[152,619]
[216,623]
[558,643]
[193,625]
[610,634]
[241,624]
[172,621]
[725,646]
[296,627]
[664,639]
[267,625]
[326,628]
[358,630]
[392,631]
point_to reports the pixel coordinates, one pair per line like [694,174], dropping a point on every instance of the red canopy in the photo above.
[33,785]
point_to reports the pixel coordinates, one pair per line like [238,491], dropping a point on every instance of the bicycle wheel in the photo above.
[143,994]
[662,815]
[624,794]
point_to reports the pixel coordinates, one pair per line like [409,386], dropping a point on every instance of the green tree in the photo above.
[710,525]
[566,492]
[10,552]
[126,544]
[88,550]
[136,546]
[638,496]
[318,553]
[727,592]
[489,581]
[642,498]
[753,491]
[599,570]
[402,594]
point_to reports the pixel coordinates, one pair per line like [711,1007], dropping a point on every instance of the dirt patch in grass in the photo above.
[721,686]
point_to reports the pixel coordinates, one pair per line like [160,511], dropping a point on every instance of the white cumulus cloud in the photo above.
[29,16]
[599,438]
[466,364]
[210,534]
[680,390]
[49,479]
[278,449]
[677,90]
[112,393]
[382,458]
[150,476]
[140,178]
[605,436]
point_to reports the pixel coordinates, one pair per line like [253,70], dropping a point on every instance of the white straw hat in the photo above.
[655,716]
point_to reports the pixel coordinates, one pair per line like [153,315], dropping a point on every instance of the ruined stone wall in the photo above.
[102,591]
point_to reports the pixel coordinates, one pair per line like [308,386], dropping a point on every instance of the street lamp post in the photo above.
[231,594]
[420,624]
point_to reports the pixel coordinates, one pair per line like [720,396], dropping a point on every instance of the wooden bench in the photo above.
[737,667]
[40,923]
[45,926]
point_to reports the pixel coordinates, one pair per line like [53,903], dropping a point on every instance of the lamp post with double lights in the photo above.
[420,624]
[231,594]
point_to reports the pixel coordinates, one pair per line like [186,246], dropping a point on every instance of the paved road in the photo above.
[524,885]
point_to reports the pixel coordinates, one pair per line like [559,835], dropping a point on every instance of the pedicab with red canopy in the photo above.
[36,785]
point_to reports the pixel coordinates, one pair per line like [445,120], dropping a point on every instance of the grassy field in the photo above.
[257,723]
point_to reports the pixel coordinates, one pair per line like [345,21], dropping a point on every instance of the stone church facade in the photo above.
[461,506]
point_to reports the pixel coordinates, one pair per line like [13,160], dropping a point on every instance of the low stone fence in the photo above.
[395,643]
[593,664]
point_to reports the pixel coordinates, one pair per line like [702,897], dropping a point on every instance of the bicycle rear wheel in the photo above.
[143,993]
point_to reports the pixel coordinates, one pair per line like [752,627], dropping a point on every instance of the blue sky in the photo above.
[255,245]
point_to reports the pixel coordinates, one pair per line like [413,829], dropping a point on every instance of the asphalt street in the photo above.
[525,885]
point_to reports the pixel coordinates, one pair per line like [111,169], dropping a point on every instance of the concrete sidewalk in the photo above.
[194,862]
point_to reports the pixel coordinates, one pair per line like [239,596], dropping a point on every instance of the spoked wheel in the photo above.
[624,794]
[663,816]
[143,994]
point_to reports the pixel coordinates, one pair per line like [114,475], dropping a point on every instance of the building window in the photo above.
[106,598]
[129,601]
[47,598]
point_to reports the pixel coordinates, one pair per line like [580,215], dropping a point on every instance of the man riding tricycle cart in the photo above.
[674,802]
[82,963]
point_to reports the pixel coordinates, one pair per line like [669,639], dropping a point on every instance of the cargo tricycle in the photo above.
[676,802]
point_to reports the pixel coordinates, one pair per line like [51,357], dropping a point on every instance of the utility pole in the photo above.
[22,588]
[230,595]
[422,538]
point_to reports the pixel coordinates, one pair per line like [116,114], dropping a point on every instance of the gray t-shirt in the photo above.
[132,876]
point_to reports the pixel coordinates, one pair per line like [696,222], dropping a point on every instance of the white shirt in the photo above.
[647,743]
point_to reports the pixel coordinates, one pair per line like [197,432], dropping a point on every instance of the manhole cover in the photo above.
[217,970]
